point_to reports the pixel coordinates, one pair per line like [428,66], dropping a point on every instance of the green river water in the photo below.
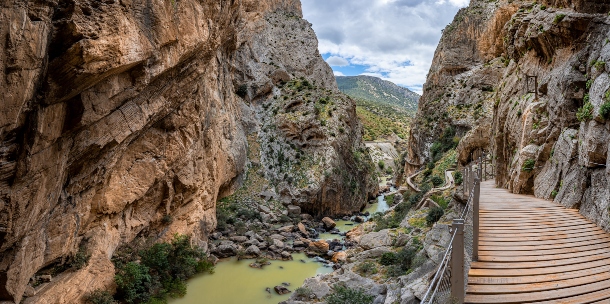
[234,282]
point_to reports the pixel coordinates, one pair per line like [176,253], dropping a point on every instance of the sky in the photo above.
[390,39]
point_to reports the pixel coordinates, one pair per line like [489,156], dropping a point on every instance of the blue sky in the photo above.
[391,39]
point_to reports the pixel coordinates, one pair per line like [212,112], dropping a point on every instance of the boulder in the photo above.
[339,257]
[225,251]
[277,243]
[238,239]
[306,217]
[281,290]
[293,210]
[302,229]
[318,287]
[328,223]
[286,255]
[29,291]
[277,237]
[373,253]
[319,246]
[286,229]
[264,209]
[253,251]
[376,239]
[402,240]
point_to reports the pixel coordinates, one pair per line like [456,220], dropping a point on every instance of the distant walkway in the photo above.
[536,251]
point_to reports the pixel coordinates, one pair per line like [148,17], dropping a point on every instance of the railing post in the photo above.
[484,166]
[470,178]
[475,219]
[457,262]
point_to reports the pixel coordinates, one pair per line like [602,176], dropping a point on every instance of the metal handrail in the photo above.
[435,284]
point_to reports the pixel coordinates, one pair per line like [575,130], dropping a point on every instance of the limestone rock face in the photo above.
[128,118]
[480,85]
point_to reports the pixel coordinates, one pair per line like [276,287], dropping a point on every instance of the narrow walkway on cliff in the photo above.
[536,251]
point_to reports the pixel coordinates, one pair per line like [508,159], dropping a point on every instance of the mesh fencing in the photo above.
[439,290]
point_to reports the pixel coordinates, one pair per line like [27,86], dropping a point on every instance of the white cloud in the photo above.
[395,39]
[337,61]
[337,73]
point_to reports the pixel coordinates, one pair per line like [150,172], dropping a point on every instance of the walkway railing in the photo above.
[449,282]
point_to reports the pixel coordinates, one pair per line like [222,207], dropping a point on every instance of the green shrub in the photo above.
[389,199]
[367,268]
[242,90]
[388,258]
[604,111]
[344,295]
[80,259]
[434,214]
[415,198]
[99,297]
[303,293]
[446,142]
[400,262]
[392,220]
[437,181]
[554,194]
[381,164]
[585,112]
[528,165]
[459,179]
[441,201]
[559,18]
[133,283]
[162,271]
[599,65]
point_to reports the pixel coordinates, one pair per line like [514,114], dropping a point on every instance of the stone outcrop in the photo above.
[479,80]
[131,118]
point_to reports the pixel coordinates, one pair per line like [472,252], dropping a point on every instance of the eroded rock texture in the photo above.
[119,113]
[479,78]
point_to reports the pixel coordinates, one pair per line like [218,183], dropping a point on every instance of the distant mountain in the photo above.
[379,91]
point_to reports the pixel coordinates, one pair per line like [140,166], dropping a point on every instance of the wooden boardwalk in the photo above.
[537,251]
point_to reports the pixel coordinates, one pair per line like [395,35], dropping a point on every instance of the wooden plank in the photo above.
[592,297]
[553,285]
[540,243]
[545,247]
[538,264]
[537,278]
[502,234]
[558,236]
[530,297]
[527,225]
[535,253]
[535,271]
[540,258]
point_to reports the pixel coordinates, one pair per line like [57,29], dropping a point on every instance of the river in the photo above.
[234,282]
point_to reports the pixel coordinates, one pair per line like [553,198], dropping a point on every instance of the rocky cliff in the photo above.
[527,81]
[119,115]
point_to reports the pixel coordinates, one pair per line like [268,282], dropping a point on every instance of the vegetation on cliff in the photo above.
[150,273]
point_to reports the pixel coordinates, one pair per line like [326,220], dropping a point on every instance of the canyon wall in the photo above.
[118,115]
[510,77]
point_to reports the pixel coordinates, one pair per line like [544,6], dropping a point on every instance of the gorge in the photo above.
[217,128]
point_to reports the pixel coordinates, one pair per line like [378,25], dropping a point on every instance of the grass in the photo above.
[558,18]
[380,120]
[585,113]
[528,165]
[345,295]
[367,268]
